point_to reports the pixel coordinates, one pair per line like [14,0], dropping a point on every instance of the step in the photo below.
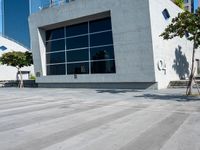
[181,84]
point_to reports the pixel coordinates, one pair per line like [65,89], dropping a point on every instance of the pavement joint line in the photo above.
[134,141]
[14,98]
[58,106]
[24,110]
[177,130]
[183,112]
[114,122]
[24,136]
[155,111]
[60,136]
[22,105]
[31,102]
[9,112]
[27,106]
[6,103]
[186,126]
[24,100]
[64,114]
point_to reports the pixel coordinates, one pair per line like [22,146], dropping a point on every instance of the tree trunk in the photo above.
[21,84]
[190,83]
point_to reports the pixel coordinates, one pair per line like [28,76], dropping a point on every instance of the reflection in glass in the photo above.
[103,67]
[77,55]
[77,29]
[100,25]
[53,46]
[78,48]
[55,34]
[78,68]
[104,38]
[56,57]
[56,69]
[77,42]
[106,52]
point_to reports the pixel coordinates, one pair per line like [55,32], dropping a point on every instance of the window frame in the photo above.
[88,47]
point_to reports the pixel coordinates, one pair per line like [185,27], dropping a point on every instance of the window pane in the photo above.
[106,52]
[103,67]
[55,34]
[56,69]
[77,55]
[55,45]
[104,38]
[100,25]
[77,29]
[77,42]
[166,14]
[78,68]
[56,57]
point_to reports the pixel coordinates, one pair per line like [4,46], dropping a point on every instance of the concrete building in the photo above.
[189,5]
[7,72]
[108,44]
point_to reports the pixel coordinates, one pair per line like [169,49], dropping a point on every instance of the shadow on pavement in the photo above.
[117,91]
[172,97]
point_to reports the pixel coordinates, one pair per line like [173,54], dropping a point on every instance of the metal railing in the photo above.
[43,4]
[52,3]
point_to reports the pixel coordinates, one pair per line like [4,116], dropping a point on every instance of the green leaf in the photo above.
[17,59]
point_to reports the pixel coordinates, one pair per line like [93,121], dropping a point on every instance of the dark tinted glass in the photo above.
[77,42]
[100,25]
[166,14]
[56,57]
[78,68]
[55,34]
[56,69]
[106,52]
[103,67]
[77,29]
[55,45]
[101,39]
[77,55]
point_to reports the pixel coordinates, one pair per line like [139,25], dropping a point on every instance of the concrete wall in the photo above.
[7,72]
[131,33]
[138,47]
[176,52]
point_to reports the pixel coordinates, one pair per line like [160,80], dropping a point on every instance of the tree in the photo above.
[179,3]
[187,25]
[18,60]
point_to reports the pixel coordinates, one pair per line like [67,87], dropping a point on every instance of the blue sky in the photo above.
[195,4]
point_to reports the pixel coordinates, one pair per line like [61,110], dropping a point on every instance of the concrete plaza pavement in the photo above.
[91,119]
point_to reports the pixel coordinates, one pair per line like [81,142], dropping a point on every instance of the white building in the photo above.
[189,5]
[7,72]
[108,44]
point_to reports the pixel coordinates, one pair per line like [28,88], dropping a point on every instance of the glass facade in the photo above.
[85,48]
[15,20]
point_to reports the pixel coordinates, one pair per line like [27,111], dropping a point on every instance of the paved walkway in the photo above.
[88,119]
